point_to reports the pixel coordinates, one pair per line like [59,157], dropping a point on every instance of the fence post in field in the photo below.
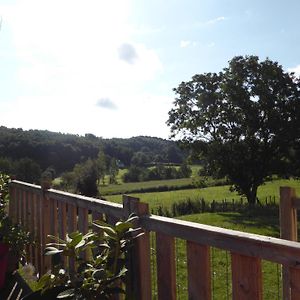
[140,274]
[288,231]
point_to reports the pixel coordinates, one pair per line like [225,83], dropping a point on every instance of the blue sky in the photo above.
[109,67]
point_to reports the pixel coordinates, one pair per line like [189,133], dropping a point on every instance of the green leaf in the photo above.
[122,227]
[66,294]
[108,230]
[57,239]
[80,244]
[53,252]
[76,239]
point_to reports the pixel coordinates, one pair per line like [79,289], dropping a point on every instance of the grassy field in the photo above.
[129,187]
[217,193]
[220,259]
[133,186]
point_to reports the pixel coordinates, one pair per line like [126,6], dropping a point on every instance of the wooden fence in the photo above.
[54,212]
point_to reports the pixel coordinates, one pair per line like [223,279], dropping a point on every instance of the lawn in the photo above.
[217,193]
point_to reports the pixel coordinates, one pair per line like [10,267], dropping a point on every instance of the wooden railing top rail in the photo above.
[273,249]
[96,205]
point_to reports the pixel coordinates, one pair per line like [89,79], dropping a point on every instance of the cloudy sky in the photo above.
[109,67]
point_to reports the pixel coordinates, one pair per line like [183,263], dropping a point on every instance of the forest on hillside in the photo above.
[28,153]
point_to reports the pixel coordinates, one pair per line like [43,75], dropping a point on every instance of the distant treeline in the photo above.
[38,150]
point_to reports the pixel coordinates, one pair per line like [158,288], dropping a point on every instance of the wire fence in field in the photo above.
[221,280]
[200,205]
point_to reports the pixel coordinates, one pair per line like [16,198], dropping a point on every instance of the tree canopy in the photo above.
[244,121]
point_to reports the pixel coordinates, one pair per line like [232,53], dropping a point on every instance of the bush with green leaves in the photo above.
[11,233]
[101,274]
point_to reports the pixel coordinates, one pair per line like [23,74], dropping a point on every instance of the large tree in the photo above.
[245,121]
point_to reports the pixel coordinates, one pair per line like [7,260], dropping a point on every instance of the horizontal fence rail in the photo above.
[45,212]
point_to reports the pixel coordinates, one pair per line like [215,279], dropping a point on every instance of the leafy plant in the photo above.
[12,234]
[102,273]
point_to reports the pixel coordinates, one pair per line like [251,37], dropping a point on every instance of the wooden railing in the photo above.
[289,204]
[54,212]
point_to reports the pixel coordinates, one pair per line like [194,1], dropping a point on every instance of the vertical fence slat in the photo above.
[62,220]
[29,224]
[35,233]
[72,226]
[72,218]
[288,231]
[39,208]
[83,220]
[199,271]
[295,283]
[13,204]
[54,217]
[166,269]
[23,208]
[144,258]
[246,277]
[62,225]
[139,283]
[83,225]
[46,229]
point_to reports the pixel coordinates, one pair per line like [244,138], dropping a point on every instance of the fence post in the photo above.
[288,231]
[140,273]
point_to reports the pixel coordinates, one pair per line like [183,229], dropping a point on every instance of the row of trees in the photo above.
[86,177]
[159,172]
[243,123]
[63,151]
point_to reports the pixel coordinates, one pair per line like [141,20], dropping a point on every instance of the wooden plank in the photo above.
[39,226]
[140,262]
[83,225]
[62,220]
[268,248]
[295,283]
[199,271]
[46,230]
[83,220]
[72,226]
[72,218]
[29,226]
[17,205]
[97,216]
[288,214]
[288,231]
[35,231]
[54,218]
[166,269]
[12,204]
[62,225]
[92,204]
[246,277]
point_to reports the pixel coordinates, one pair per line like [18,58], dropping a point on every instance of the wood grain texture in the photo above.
[246,277]
[199,271]
[166,268]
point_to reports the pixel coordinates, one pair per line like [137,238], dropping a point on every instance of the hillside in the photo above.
[63,151]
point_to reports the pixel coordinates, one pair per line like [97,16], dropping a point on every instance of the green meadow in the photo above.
[217,193]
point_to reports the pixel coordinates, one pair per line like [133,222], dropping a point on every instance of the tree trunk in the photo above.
[252,195]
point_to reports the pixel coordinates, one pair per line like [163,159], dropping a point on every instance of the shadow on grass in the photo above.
[256,218]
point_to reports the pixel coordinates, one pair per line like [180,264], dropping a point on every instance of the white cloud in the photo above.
[127,53]
[67,55]
[184,43]
[106,103]
[295,70]
[215,20]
